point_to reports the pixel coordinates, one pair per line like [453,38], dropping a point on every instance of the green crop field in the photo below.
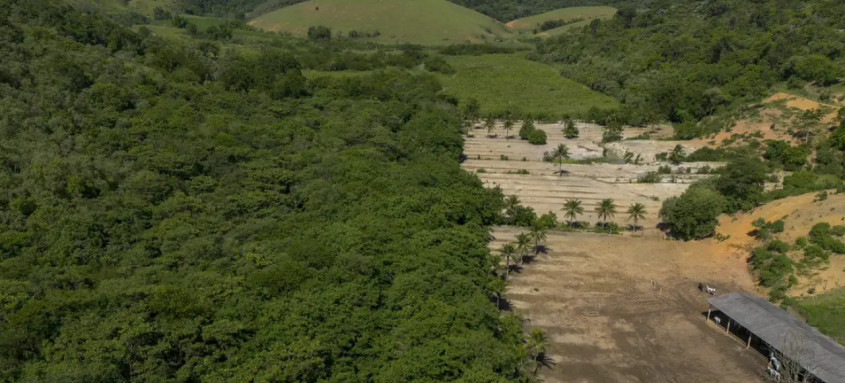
[428,22]
[529,24]
[505,82]
[826,312]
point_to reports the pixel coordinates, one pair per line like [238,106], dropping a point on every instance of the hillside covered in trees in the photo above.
[191,211]
[683,61]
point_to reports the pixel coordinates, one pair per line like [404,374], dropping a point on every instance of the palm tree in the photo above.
[508,127]
[523,242]
[511,204]
[489,123]
[560,153]
[508,251]
[605,210]
[636,212]
[497,286]
[572,208]
[537,343]
[538,235]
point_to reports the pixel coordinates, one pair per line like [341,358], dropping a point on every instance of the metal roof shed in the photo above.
[820,355]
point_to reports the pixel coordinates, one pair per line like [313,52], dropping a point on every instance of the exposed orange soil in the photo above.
[799,213]
[804,104]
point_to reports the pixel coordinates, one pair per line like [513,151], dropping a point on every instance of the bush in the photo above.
[438,64]
[612,132]
[649,178]
[693,214]
[772,268]
[537,137]
[822,235]
[707,154]
[526,129]
[778,246]
[742,182]
[790,157]
[319,32]
[547,221]
[814,252]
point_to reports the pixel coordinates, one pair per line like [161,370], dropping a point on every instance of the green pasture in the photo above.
[427,22]
[509,82]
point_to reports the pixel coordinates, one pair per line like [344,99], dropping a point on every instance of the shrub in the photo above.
[438,64]
[814,252]
[547,221]
[649,178]
[778,246]
[612,132]
[526,129]
[537,137]
[570,131]
[693,214]
[822,235]
[706,154]
[319,32]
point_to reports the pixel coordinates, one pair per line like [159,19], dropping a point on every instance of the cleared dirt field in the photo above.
[546,191]
[622,309]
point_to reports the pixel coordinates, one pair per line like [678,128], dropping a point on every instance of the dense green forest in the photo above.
[195,211]
[683,61]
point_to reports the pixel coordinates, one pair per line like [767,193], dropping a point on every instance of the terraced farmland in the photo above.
[503,161]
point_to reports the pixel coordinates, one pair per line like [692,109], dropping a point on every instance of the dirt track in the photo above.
[621,309]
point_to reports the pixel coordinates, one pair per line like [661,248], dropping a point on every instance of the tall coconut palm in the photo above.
[497,286]
[572,208]
[538,235]
[560,153]
[537,343]
[523,243]
[508,127]
[636,212]
[605,210]
[508,251]
[489,124]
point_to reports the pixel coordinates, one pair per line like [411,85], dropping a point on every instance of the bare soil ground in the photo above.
[622,309]
[773,120]
[542,189]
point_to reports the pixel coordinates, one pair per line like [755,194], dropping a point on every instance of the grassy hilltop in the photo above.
[429,22]
[569,17]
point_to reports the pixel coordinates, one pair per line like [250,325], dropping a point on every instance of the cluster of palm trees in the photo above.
[526,243]
[605,210]
[521,249]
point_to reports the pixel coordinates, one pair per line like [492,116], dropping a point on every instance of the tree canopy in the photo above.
[175,212]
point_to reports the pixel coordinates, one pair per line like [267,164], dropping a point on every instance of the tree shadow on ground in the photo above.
[543,361]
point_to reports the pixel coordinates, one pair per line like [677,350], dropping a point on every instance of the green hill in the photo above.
[509,82]
[560,19]
[429,22]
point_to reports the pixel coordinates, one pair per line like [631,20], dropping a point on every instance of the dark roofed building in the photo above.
[816,353]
